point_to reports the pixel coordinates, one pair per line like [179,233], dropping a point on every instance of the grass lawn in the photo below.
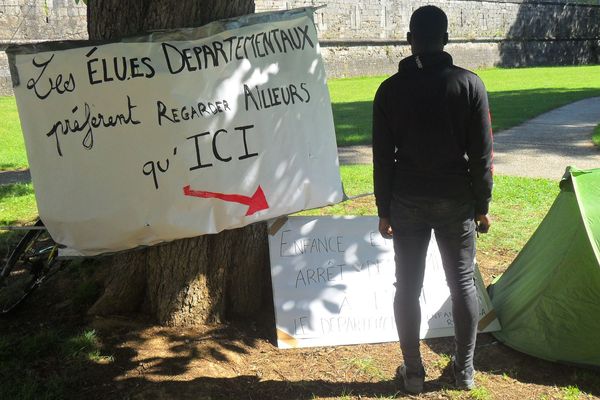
[12,148]
[17,204]
[516,95]
[518,206]
[17,207]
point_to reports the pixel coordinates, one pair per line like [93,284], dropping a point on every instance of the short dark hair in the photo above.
[428,23]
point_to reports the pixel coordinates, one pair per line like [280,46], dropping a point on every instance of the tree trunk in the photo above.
[189,281]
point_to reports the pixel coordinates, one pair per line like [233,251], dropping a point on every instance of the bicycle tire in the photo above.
[34,265]
[21,247]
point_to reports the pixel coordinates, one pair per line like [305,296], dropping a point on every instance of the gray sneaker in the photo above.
[413,382]
[465,379]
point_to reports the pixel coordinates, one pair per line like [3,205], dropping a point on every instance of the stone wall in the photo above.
[27,21]
[352,59]
[467,19]
[367,37]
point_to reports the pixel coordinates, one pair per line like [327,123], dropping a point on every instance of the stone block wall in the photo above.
[34,20]
[27,21]
[467,19]
[367,37]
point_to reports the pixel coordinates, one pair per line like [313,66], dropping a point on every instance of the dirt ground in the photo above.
[241,361]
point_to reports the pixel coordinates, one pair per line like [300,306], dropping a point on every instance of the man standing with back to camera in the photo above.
[432,156]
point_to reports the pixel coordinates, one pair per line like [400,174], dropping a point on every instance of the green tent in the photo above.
[548,300]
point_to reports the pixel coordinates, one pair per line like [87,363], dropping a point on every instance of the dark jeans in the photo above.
[412,220]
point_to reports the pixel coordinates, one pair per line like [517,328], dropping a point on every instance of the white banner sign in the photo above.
[333,284]
[177,134]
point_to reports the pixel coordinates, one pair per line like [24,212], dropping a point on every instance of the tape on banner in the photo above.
[277,225]
[286,338]
[486,320]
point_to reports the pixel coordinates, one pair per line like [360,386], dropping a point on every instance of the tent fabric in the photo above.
[548,300]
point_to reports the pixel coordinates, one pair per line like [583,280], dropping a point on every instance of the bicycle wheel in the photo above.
[25,267]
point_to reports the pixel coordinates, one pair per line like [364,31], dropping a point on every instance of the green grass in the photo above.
[366,366]
[596,136]
[357,179]
[85,346]
[517,208]
[516,95]
[443,361]
[480,393]
[17,207]
[17,204]
[571,393]
[351,100]
[12,147]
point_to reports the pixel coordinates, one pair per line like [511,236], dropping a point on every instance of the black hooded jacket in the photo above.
[432,134]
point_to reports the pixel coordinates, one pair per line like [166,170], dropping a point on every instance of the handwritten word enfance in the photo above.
[331,244]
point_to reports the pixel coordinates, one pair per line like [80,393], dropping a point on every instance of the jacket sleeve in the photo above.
[480,148]
[383,155]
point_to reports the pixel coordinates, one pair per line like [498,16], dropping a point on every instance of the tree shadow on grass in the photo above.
[353,121]
[177,381]
[14,190]
[510,108]
[7,166]
[138,360]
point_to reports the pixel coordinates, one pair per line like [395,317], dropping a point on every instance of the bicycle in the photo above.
[31,262]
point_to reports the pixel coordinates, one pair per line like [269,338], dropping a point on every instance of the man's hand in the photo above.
[385,228]
[483,223]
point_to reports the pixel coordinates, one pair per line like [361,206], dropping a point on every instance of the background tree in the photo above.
[190,281]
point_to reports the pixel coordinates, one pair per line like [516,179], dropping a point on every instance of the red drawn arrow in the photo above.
[257,202]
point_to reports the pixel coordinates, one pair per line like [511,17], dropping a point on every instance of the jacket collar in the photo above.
[428,61]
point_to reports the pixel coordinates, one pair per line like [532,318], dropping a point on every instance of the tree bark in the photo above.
[189,281]
[109,19]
